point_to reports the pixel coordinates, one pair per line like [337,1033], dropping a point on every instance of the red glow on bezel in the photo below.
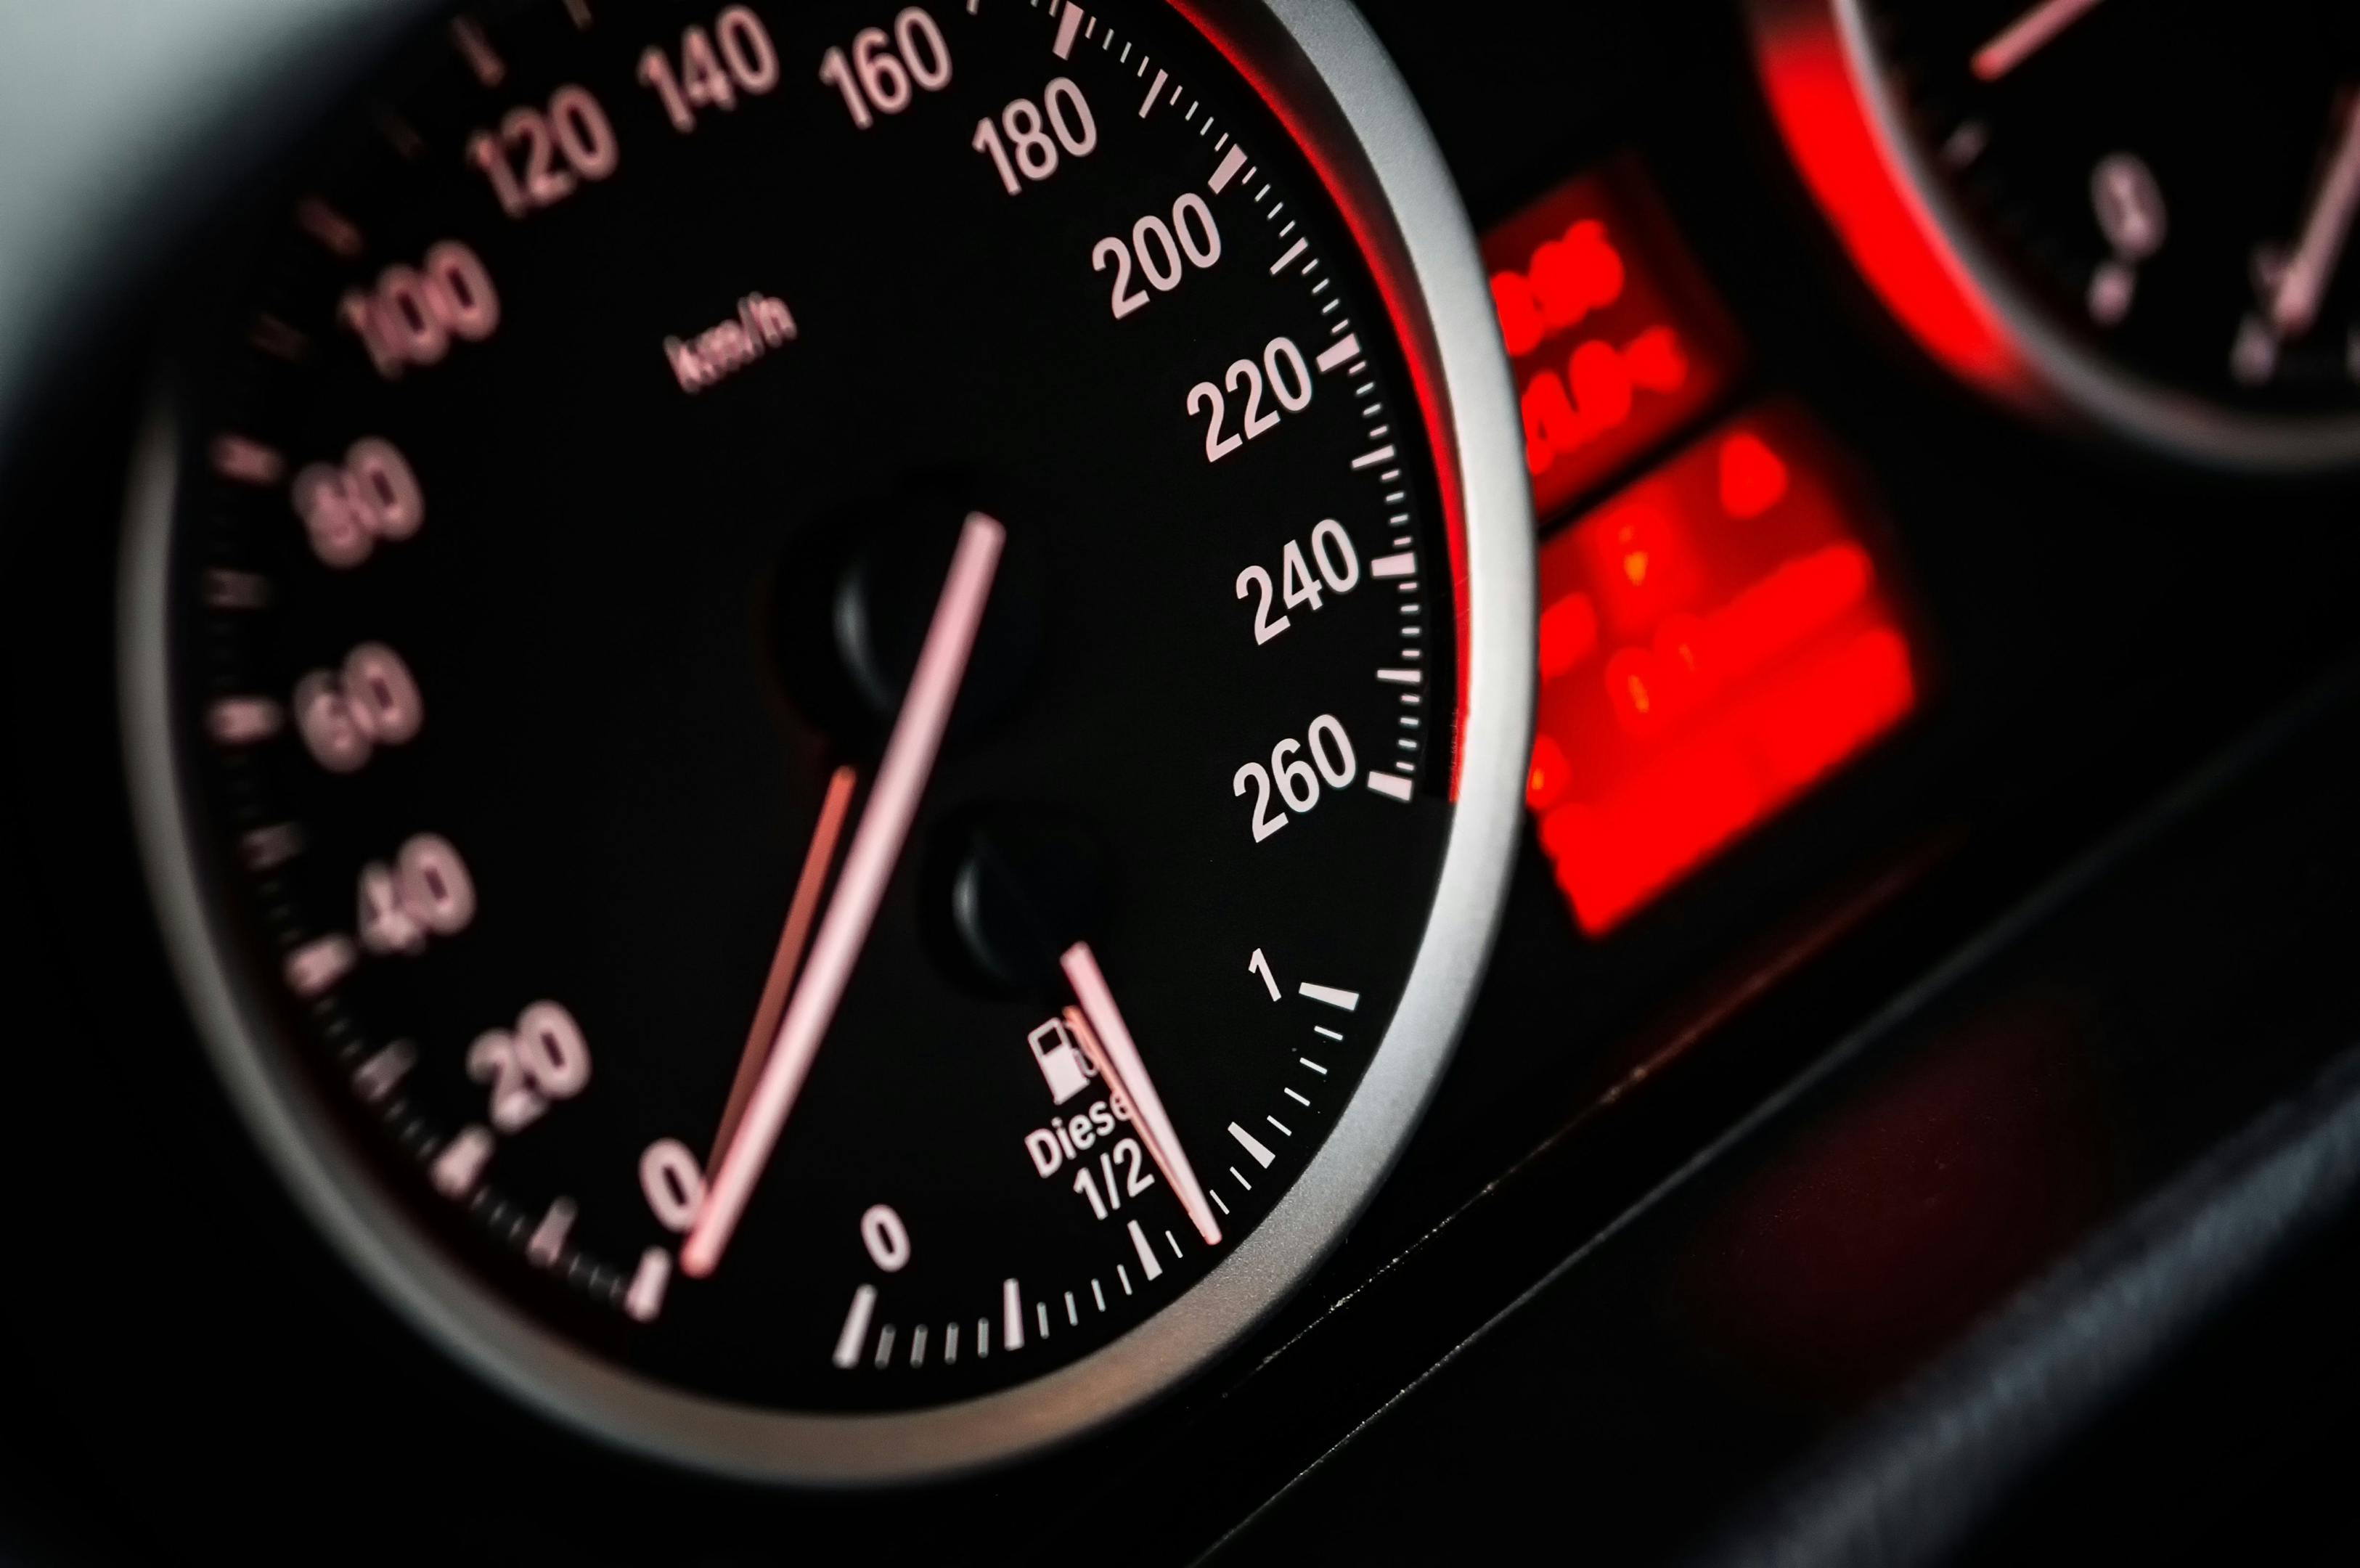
[1424,382]
[1833,138]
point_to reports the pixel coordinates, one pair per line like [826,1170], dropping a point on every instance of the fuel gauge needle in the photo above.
[868,869]
[1106,1040]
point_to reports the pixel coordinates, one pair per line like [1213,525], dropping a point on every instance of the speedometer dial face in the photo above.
[811,690]
[2197,263]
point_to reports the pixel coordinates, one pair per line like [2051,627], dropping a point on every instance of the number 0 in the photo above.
[887,1238]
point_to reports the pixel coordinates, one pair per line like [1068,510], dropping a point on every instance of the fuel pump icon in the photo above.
[1062,1066]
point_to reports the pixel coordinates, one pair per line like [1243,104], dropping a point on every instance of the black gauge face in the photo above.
[814,671]
[2177,189]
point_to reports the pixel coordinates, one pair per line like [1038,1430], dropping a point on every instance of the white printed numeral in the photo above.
[747,62]
[1289,383]
[1340,564]
[410,317]
[425,892]
[1330,751]
[346,715]
[569,142]
[1021,143]
[1121,1170]
[2128,205]
[674,1183]
[1158,250]
[347,509]
[546,1059]
[875,78]
[885,1238]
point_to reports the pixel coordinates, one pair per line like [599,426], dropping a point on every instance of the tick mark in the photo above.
[374,1079]
[461,1164]
[318,965]
[645,1297]
[1147,1259]
[850,1339]
[229,589]
[548,1243]
[1343,351]
[247,462]
[277,339]
[1253,1145]
[1334,997]
[481,57]
[243,720]
[328,226]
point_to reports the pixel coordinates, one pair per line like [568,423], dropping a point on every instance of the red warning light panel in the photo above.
[1615,339]
[1714,641]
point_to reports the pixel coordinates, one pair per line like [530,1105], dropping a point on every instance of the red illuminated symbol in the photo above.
[1751,477]
[1564,414]
[1567,279]
[1615,343]
[1752,653]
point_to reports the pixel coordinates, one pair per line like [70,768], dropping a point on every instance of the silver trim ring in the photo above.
[1414,197]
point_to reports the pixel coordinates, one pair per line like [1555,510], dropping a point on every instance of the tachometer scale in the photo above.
[2186,278]
[827,699]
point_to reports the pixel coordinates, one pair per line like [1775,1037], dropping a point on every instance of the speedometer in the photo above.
[828,700]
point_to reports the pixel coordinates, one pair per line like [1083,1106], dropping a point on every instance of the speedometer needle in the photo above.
[868,868]
[1106,1040]
[2303,286]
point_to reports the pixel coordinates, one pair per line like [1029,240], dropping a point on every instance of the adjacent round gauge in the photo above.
[828,697]
[2155,202]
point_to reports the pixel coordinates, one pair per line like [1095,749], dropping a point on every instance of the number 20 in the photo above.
[545,1059]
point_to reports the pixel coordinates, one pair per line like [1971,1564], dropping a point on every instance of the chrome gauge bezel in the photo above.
[1335,78]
